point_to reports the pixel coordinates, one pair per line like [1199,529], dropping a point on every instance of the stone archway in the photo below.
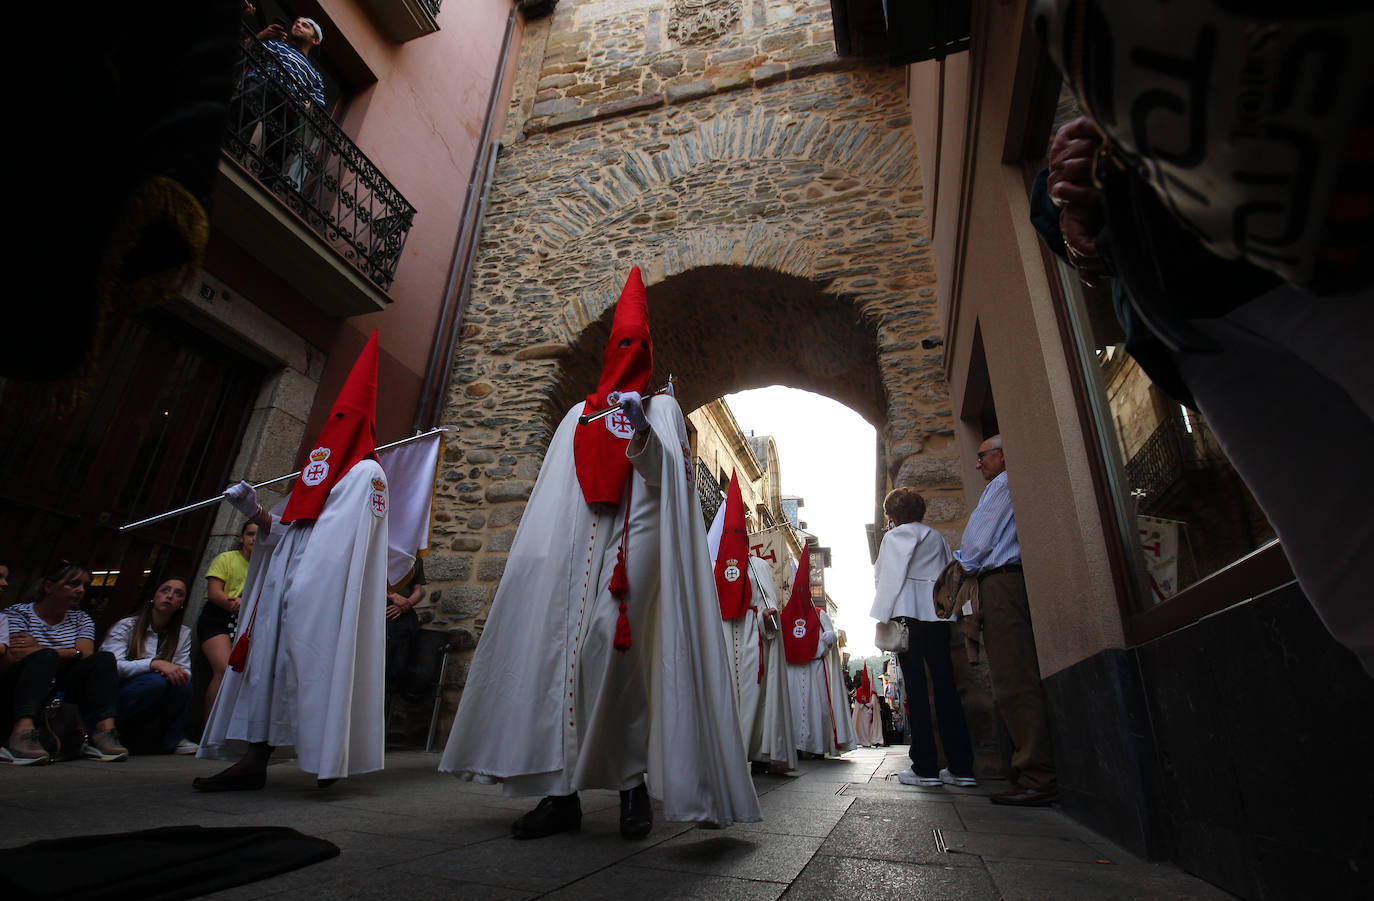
[780,228]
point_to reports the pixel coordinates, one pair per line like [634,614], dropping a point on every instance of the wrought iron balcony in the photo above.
[1167,455]
[292,147]
[709,490]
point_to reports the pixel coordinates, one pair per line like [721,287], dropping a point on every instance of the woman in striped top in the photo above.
[53,643]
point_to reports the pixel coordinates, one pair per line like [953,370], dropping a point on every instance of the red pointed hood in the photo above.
[864,693]
[801,624]
[732,560]
[349,435]
[599,447]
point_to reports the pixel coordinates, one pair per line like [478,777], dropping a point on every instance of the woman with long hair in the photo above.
[152,650]
[52,645]
[219,617]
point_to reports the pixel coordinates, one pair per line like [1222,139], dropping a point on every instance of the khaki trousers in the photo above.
[1015,671]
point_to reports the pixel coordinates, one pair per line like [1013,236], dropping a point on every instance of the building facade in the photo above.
[327,220]
[1186,676]
[769,191]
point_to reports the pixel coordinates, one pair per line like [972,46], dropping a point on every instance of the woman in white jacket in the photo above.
[909,560]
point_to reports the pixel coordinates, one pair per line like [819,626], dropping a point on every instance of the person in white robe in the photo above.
[868,726]
[820,702]
[306,677]
[630,691]
[753,643]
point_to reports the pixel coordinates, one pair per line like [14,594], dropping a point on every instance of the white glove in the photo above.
[828,637]
[243,498]
[632,405]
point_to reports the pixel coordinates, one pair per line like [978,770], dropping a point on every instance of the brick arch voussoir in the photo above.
[873,156]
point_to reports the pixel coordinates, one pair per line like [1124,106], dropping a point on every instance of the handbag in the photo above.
[61,731]
[891,636]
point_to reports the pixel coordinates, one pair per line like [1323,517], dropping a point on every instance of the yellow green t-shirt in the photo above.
[232,568]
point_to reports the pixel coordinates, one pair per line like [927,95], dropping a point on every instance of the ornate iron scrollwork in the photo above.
[302,156]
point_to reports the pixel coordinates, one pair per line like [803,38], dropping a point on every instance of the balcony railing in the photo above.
[1170,451]
[297,152]
[709,490]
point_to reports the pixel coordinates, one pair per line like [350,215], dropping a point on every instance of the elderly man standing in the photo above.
[991,552]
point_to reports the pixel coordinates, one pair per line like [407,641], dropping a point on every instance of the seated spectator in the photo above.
[152,651]
[219,617]
[52,644]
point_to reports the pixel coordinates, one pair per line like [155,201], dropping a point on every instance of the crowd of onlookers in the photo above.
[61,698]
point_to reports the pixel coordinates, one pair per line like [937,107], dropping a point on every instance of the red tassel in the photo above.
[238,657]
[622,631]
[620,583]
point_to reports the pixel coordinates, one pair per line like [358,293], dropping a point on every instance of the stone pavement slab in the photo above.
[841,828]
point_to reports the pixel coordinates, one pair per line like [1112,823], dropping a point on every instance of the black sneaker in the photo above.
[554,814]
[636,814]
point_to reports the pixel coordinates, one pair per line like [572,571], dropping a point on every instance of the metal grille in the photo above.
[1167,455]
[708,489]
[302,156]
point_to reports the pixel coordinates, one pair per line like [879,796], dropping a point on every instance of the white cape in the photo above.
[868,726]
[759,667]
[820,701]
[590,716]
[313,684]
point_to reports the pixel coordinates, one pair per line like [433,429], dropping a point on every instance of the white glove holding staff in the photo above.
[243,498]
[632,405]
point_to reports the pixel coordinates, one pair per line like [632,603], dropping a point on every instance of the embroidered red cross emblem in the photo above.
[314,471]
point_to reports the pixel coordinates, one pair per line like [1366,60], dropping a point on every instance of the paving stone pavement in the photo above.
[836,829]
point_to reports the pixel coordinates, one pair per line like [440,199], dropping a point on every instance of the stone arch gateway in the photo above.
[770,193]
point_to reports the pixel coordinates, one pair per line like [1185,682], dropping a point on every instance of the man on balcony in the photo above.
[292,51]
[274,92]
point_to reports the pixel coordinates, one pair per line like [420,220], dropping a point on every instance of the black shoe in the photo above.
[554,814]
[325,783]
[1020,796]
[228,781]
[636,814]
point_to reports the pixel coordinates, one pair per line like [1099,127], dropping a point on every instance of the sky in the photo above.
[826,454]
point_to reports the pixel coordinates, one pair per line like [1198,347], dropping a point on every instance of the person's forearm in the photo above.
[127,669]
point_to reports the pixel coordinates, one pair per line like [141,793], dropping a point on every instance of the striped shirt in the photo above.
[76,624]
[306,77]
[990,536]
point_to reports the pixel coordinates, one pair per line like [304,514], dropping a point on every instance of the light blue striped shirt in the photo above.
[990,536]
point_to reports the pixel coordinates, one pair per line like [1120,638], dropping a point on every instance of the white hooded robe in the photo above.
[819,698]
[313,684]
[575,713]
[761,692]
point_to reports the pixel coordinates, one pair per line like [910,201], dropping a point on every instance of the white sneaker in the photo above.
[949,778]
[186,746]
[908,777]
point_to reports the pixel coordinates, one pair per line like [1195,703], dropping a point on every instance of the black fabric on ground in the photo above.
[155,864]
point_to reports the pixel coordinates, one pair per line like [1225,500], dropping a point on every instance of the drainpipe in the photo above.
[445,345]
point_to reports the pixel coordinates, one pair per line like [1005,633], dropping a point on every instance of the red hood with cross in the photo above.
[348,435]
[628,365]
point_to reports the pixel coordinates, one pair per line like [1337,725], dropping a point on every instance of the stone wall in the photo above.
[770,193]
